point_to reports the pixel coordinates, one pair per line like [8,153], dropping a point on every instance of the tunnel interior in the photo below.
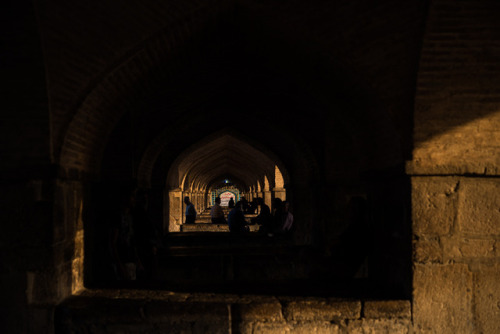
[237,102]
[362,106]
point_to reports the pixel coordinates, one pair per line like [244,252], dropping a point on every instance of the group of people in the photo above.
[133,239]
[279,221]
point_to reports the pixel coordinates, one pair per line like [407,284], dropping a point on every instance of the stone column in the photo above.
[268,198]
[280,193]
[196,201]
[176,214]
[444,214]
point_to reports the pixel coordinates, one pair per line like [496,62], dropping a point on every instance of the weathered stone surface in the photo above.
[434,204]
[442,298]
[379,326]
[387,309]
[187,312]
[314,310]
[270,328]
[428,251]
[314,328]
[462,249]
[259,311]
[487,299]
[479,206]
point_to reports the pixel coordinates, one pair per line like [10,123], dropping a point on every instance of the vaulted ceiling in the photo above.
[224,156]
[182,70]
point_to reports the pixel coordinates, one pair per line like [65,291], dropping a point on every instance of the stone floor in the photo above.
[204,223]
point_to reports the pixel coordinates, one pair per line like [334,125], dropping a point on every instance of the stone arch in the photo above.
[222,154]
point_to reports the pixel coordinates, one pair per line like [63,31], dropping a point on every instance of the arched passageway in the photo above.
[299,129]
[104,99]
[222,156]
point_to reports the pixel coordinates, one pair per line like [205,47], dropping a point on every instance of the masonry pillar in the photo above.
[176,214]
[268,198]
[197,204]
[280,193]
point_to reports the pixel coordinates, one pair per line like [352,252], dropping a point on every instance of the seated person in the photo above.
[236,219]
[252,207]
[217,213]
[264,218]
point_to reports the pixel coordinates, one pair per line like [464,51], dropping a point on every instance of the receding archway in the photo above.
[224,153]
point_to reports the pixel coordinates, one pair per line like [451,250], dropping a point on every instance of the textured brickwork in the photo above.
[487,298]
[456,132]
[156,312]
[456,105]
[442,299]
[452,287]
[78,76]
[479,204]
[434,205]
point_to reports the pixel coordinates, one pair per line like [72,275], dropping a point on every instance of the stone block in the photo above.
[270,328]
[479,206]
[487,299]
[387,309]
[434,205]
[428,251]
[130,328]
[379,326]
[100,312]
[469,248]
[315,327]
[442,298]
[158,311]
[322,310]
[259,311]
[451,249]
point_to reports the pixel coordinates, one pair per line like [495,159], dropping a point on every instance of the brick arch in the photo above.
[222,153]
[235,180]
[108,97]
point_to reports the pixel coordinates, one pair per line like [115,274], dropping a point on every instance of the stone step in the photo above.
[209,227]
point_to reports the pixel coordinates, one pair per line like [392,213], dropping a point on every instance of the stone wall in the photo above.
[159,312]
[456,233]
[455,168]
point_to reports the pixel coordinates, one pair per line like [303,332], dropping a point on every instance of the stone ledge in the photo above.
[323,310]
[387,309]
[261,311]
[399,326]
[202,312]
[176,312]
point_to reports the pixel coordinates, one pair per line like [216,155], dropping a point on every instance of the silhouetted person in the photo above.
[190,211]
[231,203]
[244,204]
[252,208]
[123,249]
[236,220]
[217,213]
[277,217]
[264,217]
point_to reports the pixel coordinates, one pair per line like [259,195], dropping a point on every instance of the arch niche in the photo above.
[224,155]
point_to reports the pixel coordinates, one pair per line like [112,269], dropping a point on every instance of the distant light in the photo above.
[226,181]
